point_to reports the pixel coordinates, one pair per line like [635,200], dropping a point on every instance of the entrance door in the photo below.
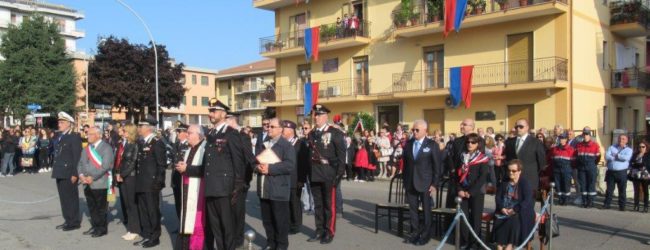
[436,120]
[388,114]
[516,112]
[361,75]
[297,25]
[520,58]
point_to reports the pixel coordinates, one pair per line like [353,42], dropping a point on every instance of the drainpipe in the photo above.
[571,123]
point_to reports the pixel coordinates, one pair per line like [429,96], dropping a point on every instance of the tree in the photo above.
[123,76]
[367,120]
[36,68]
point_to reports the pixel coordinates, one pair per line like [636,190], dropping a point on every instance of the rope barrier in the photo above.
[29,202]
[460,214]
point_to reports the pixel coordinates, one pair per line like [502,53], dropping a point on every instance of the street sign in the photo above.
[102,106]
[33,106]
[39,115]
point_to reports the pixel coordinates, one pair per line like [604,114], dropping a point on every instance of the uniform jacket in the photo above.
[179,150]
[562,157]
[424,171]
[152,162]
[302,162]
[86,168]
[66,155]
[224,156]
[276,185]
[327,154]
[587,154]
[532,156]
[129,160]
[246,172]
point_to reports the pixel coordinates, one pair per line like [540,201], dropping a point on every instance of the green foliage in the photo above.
[476,4]
[36,69]
[435,8]
[327,31]
[367,120]
[123,76]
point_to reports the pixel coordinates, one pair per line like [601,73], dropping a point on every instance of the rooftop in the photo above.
[263,66]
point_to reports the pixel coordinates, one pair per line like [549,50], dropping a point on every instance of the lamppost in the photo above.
[155,52]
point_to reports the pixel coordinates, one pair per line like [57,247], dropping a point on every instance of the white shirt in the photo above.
[97,143]
[219,127]
[322,128]
[520,141]
[147,138]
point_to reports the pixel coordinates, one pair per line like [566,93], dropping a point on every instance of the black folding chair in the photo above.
[396,205]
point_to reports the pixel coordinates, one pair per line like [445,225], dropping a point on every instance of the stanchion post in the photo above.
[458,201]
[250,236]
[550,214]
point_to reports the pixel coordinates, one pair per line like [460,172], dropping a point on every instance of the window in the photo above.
[331,65]
[184,99]
[60,23]
[194,119]
[204,81]
[193,79]
[13,18]
[205,101]
[604,55]
[193,100]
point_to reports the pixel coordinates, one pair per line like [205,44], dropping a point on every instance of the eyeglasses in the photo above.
[416,130]
[472,142]
[265,124]
[519,126]
[305,128]
[275,127]
[513,171]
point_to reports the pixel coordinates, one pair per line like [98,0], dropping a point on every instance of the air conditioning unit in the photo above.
[330,91]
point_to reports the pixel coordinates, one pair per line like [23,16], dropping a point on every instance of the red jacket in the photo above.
[562,157]
[587,154]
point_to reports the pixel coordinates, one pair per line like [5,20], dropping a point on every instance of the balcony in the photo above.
[514,74]
[74,33]
[273,4]
[419,20]
[630,82]
[328,91]
[244,105]
[249,87]
[331,38]
[629,18]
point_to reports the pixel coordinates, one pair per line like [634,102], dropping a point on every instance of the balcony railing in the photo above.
[419,14]
[296,39]
[629,11]
[248,104]
[630,78]
[349,87]
[249,86]
[513,72]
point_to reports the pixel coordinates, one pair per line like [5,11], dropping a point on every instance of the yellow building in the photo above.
[200,86]
[568,62]
[243,88]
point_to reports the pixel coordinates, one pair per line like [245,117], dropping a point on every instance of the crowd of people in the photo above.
[299,168]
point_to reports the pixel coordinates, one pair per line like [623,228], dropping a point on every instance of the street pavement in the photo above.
[31,224]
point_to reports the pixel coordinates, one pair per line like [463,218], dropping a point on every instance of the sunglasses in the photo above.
[275,127]
[416,130]
[513,171]
[265,124]
[472,142]
[519,126]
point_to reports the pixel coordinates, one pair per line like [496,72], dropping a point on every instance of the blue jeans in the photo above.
[8,161]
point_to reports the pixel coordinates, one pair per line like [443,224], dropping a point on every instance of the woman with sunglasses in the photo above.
[639,175]
[514,214]
[470,178]
[498,153]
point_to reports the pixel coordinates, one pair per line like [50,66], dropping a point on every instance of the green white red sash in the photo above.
[96,160]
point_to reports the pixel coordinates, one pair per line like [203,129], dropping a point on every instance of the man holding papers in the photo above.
[277,161]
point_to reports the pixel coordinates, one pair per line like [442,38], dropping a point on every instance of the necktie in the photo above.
[519,143]
[416,149]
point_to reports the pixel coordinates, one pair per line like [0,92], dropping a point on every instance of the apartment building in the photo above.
[200,87]
[575,63]
[247,88]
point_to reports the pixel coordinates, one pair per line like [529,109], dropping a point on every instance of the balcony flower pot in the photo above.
[523,3]
[503,4]
[415,19]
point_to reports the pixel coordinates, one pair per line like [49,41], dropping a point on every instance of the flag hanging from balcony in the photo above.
[454,15]
[460,87]
[312,39]
[311,96]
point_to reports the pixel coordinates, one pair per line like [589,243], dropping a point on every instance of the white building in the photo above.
[15,11]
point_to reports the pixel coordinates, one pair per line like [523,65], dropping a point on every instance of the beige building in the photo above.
[570,62]
[200,87]
[244,89]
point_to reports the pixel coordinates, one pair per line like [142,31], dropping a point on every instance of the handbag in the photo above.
[26,162]
[553,230]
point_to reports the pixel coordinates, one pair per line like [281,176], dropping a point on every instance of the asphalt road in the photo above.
[31,226]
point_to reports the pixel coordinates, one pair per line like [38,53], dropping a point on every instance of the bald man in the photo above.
[454,160]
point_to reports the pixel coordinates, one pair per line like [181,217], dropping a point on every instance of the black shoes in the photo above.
[294,231]
[90,231]
[140,242]
[150,243]
[70,228]
[61,226]
[622,209]
[422,241]
[317,237]
[413,239]
[268,248]
[98,234]
[327,238]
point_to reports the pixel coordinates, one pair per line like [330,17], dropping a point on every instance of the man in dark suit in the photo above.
[454,160]
[263,136]
[64,169]
[327,168]
[350,152]
[274,187]
[529,151]
[245,173]
[179,148]
[150,179]
[222,165]
[298,175]
[422,170]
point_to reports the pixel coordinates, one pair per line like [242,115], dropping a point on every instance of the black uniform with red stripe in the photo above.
[327,150]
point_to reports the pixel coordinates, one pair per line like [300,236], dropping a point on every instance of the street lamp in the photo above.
[155,52]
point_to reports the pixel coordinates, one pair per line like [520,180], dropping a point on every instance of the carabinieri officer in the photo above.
[327,151]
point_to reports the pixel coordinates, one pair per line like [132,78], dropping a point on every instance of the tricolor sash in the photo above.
[96,160]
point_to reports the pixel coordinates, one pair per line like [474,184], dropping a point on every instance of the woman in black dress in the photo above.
[470,178]
[515,214]
[639,175]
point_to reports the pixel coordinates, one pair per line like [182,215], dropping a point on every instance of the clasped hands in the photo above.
[463,194]
[263,168]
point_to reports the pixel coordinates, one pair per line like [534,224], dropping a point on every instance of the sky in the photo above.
[212,34]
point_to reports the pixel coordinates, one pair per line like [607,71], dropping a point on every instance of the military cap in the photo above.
[319,109]
[215,104]
[65,117]
[182,127]
[289,124]
[232,114]
[149,120]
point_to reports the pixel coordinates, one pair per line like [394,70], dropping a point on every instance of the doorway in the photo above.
[361,75]
[436,120]
[516,112]
[520,58]
[389,114]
